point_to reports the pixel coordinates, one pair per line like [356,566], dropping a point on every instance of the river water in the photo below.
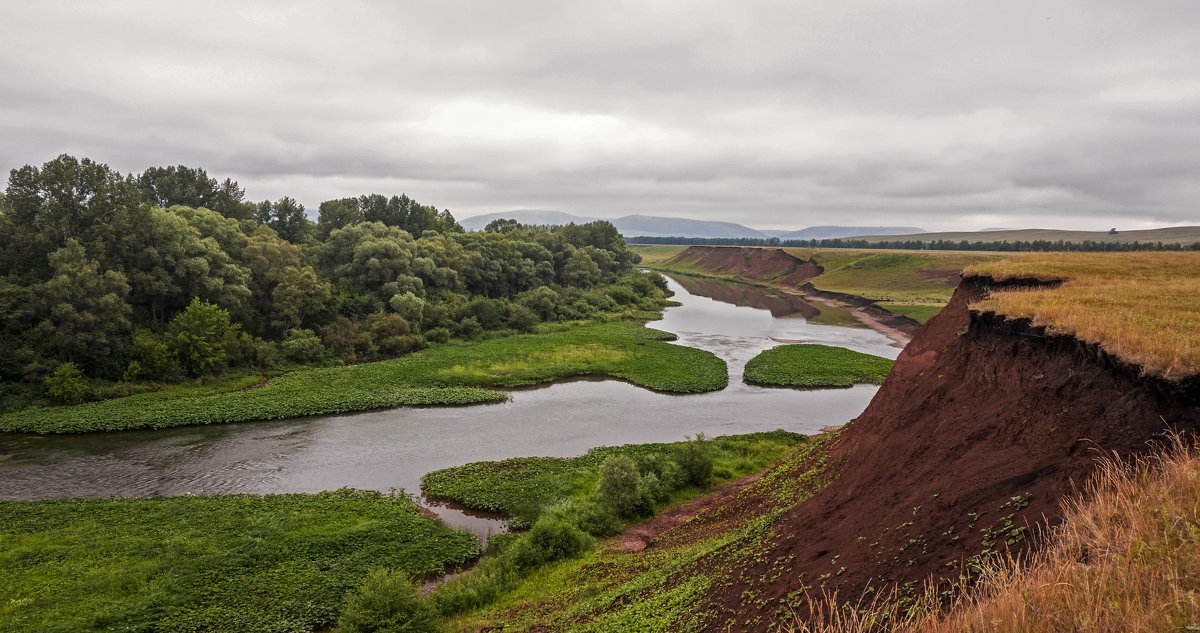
[389,449]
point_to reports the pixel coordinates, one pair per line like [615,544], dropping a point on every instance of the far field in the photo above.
[1169,235]
[1138,306]
[912,283]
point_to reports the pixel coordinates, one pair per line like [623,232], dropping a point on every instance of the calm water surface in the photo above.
[389,449]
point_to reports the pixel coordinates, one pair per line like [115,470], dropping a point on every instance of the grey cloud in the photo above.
[936,113]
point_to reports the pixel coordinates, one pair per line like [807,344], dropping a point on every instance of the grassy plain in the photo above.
[809,366]
[659,588]
[1135,525]
[227,563]
[451,374]
[1140,306]
[1169,235]
[521,484]
[916,284]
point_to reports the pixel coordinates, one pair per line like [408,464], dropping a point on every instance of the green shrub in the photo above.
[695,461]
[596,519]
[200,335]
[302,346]
[618,487]
[438,335]
[551,539]
[386,602]
[67,384]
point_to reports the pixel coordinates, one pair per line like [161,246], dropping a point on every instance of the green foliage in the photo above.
[507,486]
[574,513]
[695,461]
[302,346]
[67,384]
[815,367]
[220,564]
[199,337]
[618,487]
[446,375]
[84,316]
[387,602]
[551,539]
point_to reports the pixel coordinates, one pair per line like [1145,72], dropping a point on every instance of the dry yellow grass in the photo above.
[1142,307]
[1127,559]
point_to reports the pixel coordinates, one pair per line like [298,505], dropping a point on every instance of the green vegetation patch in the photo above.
[228,563]
[516,486]
[452,374]
[810,366]
[665,587]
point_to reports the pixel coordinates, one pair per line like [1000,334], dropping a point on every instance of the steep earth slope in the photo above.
[982,428]
[762,264]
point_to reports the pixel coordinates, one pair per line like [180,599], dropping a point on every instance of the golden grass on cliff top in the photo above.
[1142,307]
[1127,559]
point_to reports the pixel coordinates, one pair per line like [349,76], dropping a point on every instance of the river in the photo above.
[393,448]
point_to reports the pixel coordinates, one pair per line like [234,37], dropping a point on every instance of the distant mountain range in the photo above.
[659,226]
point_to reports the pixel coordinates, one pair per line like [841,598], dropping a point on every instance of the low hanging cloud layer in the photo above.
[943,114]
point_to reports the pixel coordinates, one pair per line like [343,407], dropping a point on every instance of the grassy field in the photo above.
[230,563]
[1135,526]
[1141,307]
[519,485]
[810,366]
[452,374]
[659,588]
[913,283]
[1169,235]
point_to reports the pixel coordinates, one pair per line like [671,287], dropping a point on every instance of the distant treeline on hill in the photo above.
[921,245]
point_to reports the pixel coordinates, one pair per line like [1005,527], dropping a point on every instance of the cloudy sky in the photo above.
[948,114]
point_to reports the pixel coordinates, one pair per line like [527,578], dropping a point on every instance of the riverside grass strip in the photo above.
[222,563]
[809,366]
[514,485]
[453,374]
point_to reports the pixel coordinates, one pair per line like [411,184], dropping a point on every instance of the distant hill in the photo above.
[1174,234]
[830,232]
[657,226]
[661,226]
[524,216]
[629,226]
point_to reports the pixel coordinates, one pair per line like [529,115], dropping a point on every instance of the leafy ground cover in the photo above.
[452,374]
[811,366]
[1140,307]
[520,485]
[663,587]
[227,563]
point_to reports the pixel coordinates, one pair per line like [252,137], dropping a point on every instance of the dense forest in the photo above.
[169,274]
[1089,246]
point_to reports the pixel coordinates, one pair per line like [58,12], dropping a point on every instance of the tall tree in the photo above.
[286,217]
[83,316]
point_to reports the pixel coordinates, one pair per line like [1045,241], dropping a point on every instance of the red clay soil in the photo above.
[762,264]
[977,410]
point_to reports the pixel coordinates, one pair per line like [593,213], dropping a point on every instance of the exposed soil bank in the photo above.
[977,410]
[790,274]
[770,265]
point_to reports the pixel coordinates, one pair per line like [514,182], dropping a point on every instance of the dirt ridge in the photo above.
[981,430]
[772,265]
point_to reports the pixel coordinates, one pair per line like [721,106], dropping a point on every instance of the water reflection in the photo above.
[392,449]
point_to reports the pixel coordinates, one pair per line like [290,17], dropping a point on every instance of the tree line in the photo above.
[1091,246]
[169,274]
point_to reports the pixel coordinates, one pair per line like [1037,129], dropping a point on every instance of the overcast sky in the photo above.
[941,114]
